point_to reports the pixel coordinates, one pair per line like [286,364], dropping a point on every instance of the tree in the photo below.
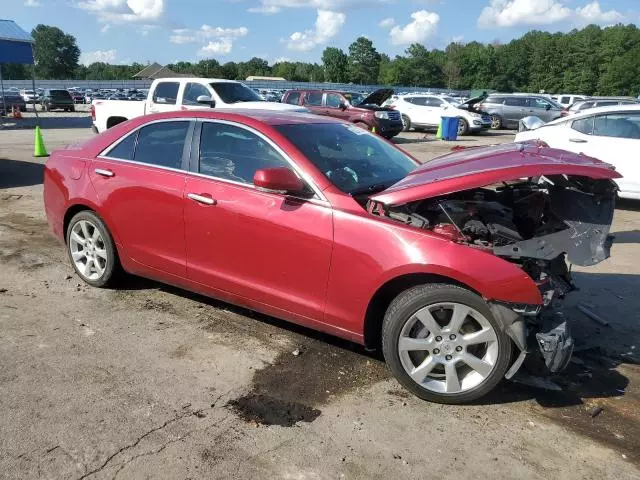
[335,63]
[56,53]
[15,71]
[364,61]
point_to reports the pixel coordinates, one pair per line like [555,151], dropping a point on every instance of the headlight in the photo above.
[382,115]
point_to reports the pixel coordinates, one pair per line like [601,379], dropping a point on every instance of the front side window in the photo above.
[234,153]
[584,125]
[192,91]
[353,159]
[166,93]
[434,102]
[162,144]
[293,98]
[618,125]
[333,100]
[565,100]
[494,100]
[313,99]
[418,100]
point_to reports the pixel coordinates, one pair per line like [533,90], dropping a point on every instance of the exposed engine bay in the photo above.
[541,224]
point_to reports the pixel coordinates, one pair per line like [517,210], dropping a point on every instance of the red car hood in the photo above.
[477,167]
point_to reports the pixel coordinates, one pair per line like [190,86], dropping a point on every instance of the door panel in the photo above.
[145,207]
[266,247]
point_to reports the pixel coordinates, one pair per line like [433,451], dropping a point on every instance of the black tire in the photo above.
[463,127]
[112,265]
[72,109]
[406,123]
[403,308]
[496,122]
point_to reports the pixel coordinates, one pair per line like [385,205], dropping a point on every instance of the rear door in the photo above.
[265,248]
[313,101]
[139,183]
[165,97]
[515,108]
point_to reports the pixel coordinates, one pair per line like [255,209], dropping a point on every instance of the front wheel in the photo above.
[91,249]
[443,344]
[496,122]
[406,123]
[463,127]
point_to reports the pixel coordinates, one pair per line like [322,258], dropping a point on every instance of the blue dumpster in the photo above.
[449,128]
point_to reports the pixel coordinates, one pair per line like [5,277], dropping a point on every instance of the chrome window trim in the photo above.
[301,173]
[321,200]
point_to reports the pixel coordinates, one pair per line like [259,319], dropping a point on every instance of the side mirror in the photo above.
[343,105]
[206,100]
[278,180]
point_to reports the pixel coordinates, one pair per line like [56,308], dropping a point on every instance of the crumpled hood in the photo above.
[478,167]
[258,105]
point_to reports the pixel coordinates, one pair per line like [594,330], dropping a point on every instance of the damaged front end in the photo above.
[543,224]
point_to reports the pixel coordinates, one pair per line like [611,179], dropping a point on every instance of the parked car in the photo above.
[12,99]
[426,111]
[611,134]
[57,99]
[29,96]
[568,99]
[78,96]
[506,110]
[183,93]
[312,220]
[364,111]
[597,102]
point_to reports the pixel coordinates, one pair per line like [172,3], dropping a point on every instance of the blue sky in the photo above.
[122,31]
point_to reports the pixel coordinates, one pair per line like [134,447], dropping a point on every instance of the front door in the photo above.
[335,105]
[268,248]
[139,183]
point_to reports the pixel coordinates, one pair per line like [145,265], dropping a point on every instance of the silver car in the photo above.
[506,110]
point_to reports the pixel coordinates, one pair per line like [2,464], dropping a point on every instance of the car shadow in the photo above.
[628,204]
[18,173]
[61,120]
[631,236]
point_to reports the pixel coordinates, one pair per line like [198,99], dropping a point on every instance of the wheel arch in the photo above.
[385,294]
[113,121]
[78,207]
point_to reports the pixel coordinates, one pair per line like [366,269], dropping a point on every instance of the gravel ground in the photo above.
[149,381]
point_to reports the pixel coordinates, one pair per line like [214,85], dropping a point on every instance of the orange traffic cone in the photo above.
[39,149]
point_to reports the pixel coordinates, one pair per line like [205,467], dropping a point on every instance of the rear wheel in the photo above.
[496,122]
[91,249]
[443,344]
[406,123]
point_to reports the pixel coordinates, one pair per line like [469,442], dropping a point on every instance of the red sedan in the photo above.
[446,266]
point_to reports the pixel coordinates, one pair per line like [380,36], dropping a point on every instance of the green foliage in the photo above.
[16,71]
[594,60]
[364,62]
[56,53]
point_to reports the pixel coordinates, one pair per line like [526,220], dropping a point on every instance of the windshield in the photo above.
[451,101]
[354,98]
[231,92]
[354,160]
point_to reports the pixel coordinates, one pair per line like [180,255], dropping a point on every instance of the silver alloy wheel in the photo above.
[461,126]
[448,348]
[88,250]
[495,122]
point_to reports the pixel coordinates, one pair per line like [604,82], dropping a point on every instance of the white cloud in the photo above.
[266,9]
[125,11]
[105,56]
[328,24]
[221,47]
[105,28]
[281,60]
[424,25]
[387,23]
[32,3]
[511,13]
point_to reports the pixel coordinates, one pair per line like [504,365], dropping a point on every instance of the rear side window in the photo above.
[585,105]
[313,99]
[293,98]
[618,125]
[516,101]
[607,103]
[417,100]
[124,150]
[234,153]
[433,102]
[166,93]
[162,144]
[584,125]
[494,100]
[565,100]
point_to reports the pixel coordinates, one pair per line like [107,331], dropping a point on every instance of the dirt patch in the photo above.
[267,410]
[159,306]
[180,352]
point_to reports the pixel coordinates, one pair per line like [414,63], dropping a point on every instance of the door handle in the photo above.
[104,173]
[577,140]
[201,199]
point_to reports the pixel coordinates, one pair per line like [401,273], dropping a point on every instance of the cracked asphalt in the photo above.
[149,381]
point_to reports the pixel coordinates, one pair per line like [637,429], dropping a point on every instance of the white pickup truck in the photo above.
[170,94]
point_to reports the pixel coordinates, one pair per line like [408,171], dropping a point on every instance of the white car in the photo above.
[610,134]
[567,99]
[420,110]
[174,94]
[29,96]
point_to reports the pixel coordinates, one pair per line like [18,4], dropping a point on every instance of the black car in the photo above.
[62,99]
[12,99]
